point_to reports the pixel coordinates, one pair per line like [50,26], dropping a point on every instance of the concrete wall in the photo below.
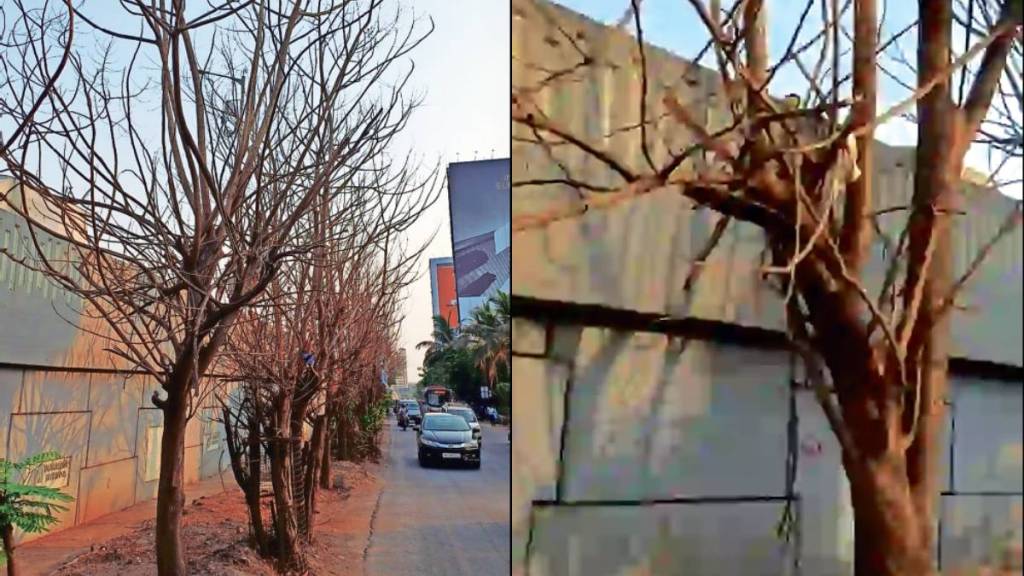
[636,255]
[101,422]
[630,452]
[60,390]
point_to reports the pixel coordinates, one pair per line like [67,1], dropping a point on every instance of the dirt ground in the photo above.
[216,528]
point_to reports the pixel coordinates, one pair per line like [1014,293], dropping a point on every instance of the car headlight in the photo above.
[472,444]
[431,443]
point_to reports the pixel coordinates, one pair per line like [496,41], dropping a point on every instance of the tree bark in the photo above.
[8,536]
[170,501]
[314,452]
[252,494]
[888,535]
[325,456]
[936,182]
[286,529]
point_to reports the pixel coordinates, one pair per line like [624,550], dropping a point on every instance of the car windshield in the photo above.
[466,413]
[412,408]
[445,422]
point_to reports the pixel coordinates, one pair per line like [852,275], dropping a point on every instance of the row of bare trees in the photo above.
[221,176]
[307,362]
[802,173]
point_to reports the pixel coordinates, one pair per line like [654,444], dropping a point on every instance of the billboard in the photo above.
[442,290]
[479,199]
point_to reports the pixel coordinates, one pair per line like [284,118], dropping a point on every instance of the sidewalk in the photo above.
[45,555]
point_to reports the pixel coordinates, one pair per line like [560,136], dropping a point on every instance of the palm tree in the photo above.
[443,338]
[490,331]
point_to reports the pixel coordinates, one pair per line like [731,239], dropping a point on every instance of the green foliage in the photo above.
[475,355]
[457,369]
[373,419]
[503,397]
[29,507]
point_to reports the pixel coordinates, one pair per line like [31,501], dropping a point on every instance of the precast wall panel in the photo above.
[64,432]
[62,390]
[651,418]
[691,539]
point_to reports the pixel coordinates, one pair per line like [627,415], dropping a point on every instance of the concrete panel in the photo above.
[647,421]
[826,511]
[193,432]
[213,453]
[537,402]
[114,402]
[527,337]
[192,464]
[988,451]
[565,343]
[106,488]
[145,488]
[691,539]
[55,392]
[66,433]
[10,396]
[150,385]
[636,254]
[981,532]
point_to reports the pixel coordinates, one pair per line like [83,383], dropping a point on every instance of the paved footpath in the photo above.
[443,521]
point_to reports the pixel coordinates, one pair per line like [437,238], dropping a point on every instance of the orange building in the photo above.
[442,290]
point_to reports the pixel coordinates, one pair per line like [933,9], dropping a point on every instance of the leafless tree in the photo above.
[288,352]
[36,47]
[801,170]
[180,211]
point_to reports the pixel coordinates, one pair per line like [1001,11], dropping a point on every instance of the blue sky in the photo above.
[675,26]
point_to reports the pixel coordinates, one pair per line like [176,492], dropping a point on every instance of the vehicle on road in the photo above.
[435,398]
[413,415]
[470,417]
[446,437]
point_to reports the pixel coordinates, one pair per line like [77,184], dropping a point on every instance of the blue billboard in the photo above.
[479,198]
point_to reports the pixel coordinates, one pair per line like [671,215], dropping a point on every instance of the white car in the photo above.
[470,417]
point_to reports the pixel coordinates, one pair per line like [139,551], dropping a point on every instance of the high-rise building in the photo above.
[442,290]
[401,373]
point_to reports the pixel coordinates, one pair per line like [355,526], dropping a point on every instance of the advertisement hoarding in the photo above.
[442,290]
[479,200]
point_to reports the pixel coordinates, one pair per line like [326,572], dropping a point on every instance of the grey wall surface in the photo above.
[637,254]
[629,453]
[59,390]
[99,421]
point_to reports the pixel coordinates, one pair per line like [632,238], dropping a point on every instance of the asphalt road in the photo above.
[449,521]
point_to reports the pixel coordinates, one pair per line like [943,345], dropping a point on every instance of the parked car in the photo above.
[470,417]
[446,437]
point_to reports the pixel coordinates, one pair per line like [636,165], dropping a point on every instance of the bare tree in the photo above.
[266,110]
[287,351]
[801,170]
[31,63]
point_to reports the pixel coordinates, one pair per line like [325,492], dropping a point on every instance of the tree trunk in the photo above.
[889,539]
[286,529]
[170,500]
[325,457]
[8,536]
[313,463]
[938,161]
[252,494]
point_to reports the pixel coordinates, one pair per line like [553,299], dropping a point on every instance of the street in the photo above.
[449,521]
